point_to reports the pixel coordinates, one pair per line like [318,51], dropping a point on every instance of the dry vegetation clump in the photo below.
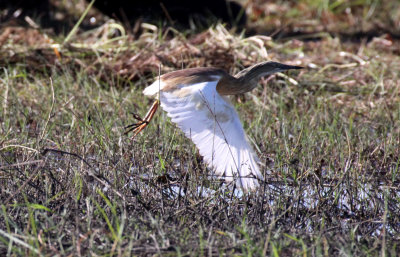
[71,182]
[108,53]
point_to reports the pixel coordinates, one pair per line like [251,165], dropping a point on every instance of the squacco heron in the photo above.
[195,99]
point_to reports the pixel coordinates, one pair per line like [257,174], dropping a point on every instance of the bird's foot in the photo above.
[137,127]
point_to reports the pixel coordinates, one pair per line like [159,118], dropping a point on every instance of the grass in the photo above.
[308,18]
[71,182]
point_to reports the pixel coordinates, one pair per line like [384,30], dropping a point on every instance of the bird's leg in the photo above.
[137,127]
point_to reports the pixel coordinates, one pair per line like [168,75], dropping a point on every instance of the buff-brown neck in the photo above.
[247,79]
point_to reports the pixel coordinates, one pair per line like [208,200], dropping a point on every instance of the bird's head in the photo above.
[253,73]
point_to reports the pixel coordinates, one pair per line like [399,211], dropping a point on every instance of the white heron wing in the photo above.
[214,126]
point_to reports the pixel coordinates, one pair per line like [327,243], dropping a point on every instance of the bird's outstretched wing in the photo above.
[214,126]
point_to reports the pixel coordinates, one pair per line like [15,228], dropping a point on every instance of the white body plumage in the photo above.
[211,122]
